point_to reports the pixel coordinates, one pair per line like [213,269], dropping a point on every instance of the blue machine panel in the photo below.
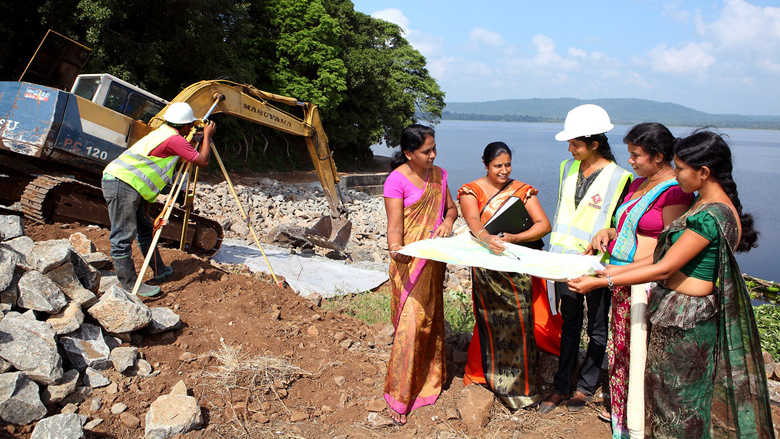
[30,116]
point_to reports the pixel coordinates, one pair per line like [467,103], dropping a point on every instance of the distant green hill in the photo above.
[621,111]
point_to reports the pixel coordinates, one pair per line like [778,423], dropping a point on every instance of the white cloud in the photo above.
[638,60]
[610,74]
[771,66]
[480,35]
[673,11]
[602,57]
[476,69]
[428,45]
[548,58]
[743,27]
[595,70]
[393,15]
[635,79]
[441,67]
[692,58]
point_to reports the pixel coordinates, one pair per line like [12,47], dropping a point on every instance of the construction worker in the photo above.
[135,178]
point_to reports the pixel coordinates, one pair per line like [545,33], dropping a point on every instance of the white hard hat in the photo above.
[179,113]
[585,120]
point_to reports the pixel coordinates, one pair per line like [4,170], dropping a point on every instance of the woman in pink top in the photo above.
[419,206]
[653,201]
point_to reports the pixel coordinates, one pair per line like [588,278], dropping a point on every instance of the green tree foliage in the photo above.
[20,33]
[386,80]
[368,82]
[308,63]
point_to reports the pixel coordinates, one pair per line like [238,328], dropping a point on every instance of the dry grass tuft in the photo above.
[262,373]
[258,379]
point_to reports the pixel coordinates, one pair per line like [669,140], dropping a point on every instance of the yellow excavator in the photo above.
[54,144]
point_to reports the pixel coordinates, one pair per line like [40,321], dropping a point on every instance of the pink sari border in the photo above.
[404,409]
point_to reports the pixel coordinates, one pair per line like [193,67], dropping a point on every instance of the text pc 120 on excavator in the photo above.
[55,143]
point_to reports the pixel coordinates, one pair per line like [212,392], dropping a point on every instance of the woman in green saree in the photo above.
[705,373]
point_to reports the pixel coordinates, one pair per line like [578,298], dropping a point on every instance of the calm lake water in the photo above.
[537,157]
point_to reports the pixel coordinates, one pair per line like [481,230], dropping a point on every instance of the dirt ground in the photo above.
[264,362]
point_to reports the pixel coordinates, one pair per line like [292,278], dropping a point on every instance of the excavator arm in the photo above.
[248,103]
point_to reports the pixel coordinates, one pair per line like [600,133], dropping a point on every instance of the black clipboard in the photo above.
[512,218]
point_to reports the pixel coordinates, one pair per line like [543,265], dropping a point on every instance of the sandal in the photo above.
[551,402]
[605,416]
[578,401]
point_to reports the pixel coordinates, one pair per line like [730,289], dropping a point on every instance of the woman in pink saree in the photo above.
[419,206]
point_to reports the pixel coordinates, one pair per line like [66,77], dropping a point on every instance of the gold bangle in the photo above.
[480,234]
[391,246]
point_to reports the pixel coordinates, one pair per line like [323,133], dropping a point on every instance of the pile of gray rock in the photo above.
[274,208]
[65,324]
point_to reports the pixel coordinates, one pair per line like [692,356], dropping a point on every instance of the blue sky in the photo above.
[719,56]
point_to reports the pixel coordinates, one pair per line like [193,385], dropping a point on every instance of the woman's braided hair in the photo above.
[707,148]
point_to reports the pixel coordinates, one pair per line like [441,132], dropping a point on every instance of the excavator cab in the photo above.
[115,94]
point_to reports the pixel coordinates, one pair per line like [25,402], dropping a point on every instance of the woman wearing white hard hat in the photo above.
[591,186]
[135,178]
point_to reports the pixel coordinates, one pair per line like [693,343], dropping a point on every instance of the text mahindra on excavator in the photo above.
[55,143]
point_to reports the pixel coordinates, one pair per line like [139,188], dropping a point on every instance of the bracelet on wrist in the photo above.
[393,245]
[610,284]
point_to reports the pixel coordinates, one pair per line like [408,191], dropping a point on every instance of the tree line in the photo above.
[367,80]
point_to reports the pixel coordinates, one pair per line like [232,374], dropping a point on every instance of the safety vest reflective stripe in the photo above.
[150,163]
[152,180]
[573,231]
[574,228]
[146,174]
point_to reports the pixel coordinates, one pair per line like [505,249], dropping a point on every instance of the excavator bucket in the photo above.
[330,232]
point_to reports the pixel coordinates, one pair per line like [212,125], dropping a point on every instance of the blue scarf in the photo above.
[625,241]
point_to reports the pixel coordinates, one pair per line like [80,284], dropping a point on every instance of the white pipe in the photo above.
[635,406]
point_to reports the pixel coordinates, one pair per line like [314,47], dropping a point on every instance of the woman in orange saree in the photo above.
[419,206]
[502,353]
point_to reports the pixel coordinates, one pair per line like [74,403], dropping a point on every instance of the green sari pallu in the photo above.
[705,370]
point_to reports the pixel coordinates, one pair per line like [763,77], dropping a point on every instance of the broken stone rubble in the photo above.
[30,346]
[172,414]
[48,291]
[19,400]
[120,311]
[38,293]
[62,426]
[280,212]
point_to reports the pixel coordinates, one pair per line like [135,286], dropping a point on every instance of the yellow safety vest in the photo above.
[146,174]
[574,228]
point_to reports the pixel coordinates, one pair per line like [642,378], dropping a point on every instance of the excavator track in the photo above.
[50,198]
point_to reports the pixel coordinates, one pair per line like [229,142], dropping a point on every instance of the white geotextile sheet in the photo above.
[304,275]
[463,249]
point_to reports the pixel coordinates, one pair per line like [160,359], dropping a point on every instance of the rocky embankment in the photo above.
[280,213]
[66,328]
